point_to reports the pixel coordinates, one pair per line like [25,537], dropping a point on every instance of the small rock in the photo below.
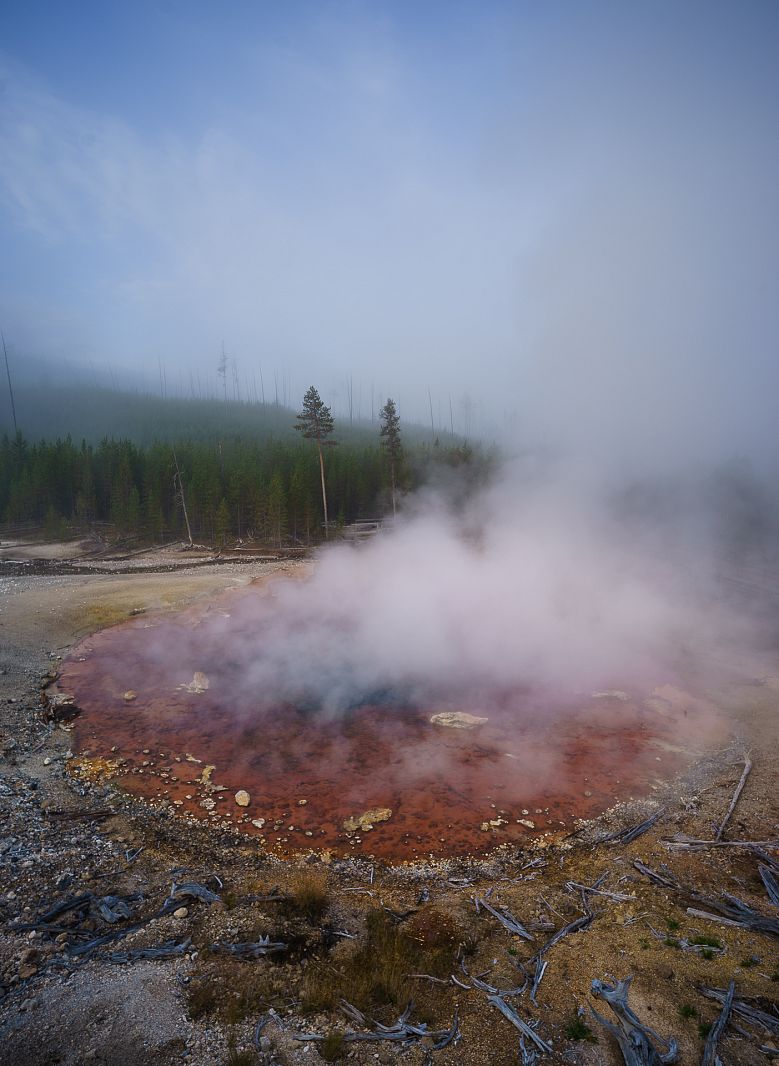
[242,798]
[129,696]
[180,912]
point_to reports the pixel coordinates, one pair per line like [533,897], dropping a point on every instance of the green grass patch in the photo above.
[577,1029]
[707,941]
[687,1011]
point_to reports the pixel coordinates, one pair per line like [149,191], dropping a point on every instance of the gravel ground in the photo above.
[64,838]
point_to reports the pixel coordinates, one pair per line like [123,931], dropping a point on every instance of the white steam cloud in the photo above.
[539,585]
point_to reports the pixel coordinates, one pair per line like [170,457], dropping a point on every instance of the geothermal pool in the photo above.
[171,711]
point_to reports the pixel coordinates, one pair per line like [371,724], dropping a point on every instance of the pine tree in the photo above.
[315,422]
[390,434]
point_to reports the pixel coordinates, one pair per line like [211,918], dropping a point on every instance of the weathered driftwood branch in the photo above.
[729,910]
[744,1009]
[684,944]
[627,836]
[541,966]
[734,801]
[710,1056]
[511,1015]
[771,883]
[252,950]
[168,950]
[636,1040]
[619,897]
[403,1032]
[573,927]
[506,919]
[680,842]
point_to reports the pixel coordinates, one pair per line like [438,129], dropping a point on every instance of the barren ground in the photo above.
[64,837]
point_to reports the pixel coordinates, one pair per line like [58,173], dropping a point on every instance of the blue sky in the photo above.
[565,212]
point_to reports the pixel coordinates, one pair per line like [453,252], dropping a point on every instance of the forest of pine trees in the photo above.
[264,489]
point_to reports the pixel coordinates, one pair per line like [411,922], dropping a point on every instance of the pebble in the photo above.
[180,912]
[242,798]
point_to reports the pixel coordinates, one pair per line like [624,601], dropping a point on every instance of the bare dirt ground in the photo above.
[85,874]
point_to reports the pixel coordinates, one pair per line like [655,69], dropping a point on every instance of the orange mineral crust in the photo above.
[176,714]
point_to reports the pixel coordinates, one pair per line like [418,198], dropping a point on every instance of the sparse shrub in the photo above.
[577,1029]
[704,1028]
[749,961]
[707,953]
[671,942]
[672,924]
[201,999]
[308,895]
[332,1047]
[373,972]
[686,1011]
[245,1057]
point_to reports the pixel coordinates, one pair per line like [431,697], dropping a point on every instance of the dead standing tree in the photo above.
[315,422]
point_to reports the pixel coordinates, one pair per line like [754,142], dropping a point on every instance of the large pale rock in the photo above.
[457,720]
[242,798]
[365,821]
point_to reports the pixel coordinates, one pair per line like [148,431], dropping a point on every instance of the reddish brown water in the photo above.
[546,764]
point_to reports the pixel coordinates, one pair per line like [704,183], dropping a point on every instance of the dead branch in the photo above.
[634,1038]
[744,1009]
[771,883]
[710,1057]
[506,919]
[736,794]
[518,1023]
[729,910]
[680,842]
[627,836]
[572,927]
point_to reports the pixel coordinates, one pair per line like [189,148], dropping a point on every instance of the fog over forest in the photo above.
[552,225]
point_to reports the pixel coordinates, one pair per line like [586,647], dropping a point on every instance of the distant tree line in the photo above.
[265,489]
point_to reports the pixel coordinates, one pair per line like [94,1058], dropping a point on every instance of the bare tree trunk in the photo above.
[181,493]
[324,490]
[392,475]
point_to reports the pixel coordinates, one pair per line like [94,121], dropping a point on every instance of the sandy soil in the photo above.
[64,836]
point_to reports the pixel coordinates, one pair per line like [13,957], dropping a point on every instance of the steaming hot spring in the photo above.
[258,712]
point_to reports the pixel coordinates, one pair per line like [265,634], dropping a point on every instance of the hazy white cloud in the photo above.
[571,221]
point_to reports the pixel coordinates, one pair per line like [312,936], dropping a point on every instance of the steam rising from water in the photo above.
[542,583]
